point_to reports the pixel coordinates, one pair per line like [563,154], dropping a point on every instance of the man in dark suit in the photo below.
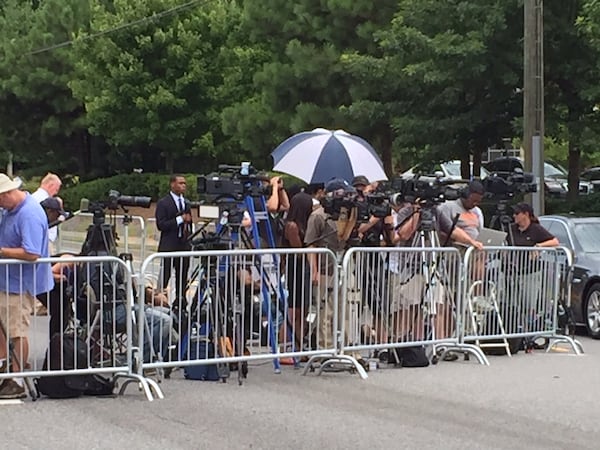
[174,220]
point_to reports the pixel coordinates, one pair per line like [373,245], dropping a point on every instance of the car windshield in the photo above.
[587,234]
[453,169]
[554,170]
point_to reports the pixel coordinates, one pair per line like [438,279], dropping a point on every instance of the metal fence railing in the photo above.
[83,325]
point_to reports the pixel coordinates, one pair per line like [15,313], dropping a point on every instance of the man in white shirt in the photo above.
[49,187]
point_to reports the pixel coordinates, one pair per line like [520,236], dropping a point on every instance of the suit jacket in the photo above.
[166,221]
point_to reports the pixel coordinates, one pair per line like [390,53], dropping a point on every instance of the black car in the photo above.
[582,236]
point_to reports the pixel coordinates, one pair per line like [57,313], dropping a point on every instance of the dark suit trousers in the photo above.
[179,267]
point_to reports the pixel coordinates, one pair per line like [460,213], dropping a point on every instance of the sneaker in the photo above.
[10,389]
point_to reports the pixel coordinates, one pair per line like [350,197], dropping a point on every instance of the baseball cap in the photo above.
[337,184]
[360,179]
[53,204]
[523,207]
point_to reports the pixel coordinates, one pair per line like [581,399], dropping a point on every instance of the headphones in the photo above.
[475,186]
[464,192]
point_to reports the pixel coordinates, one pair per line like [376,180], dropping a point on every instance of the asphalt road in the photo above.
[528,401]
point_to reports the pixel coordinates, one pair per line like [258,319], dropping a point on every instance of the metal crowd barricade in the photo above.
[87,316]
[511,295]
[403,297]
[131,233]
[238,306]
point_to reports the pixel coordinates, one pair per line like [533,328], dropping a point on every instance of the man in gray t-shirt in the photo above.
[463,210]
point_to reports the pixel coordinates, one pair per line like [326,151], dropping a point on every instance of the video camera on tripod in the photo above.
[101,236]
[427,189]
[508,184]
[112,203]
[233,181]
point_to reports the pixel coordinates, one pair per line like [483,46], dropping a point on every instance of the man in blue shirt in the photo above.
[24,236]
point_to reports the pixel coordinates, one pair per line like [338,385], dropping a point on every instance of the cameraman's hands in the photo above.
[277,182]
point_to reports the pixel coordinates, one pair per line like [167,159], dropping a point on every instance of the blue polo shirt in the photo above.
[26,226]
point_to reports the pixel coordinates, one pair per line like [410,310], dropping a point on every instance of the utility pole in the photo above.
[533,96]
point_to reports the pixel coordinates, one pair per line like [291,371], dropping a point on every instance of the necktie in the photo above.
[180,230]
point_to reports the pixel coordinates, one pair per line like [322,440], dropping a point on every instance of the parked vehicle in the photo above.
[449,169]
[555,176]
[582,236]
[592,176]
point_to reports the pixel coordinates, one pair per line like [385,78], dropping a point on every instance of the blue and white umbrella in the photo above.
[319,155]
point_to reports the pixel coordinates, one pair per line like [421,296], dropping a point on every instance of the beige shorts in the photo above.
[15,313]
[411,292]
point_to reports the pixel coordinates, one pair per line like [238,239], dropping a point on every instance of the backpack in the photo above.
[70,352]
[409,356]
[200,346]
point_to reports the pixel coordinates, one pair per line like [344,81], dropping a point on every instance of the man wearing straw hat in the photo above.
[24,236]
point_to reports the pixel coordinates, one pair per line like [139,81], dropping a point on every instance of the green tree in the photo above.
[155,83]
[571,38]
[304,81]
[453,67]
[40,121]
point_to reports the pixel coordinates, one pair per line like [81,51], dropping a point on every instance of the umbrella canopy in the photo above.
[319,155]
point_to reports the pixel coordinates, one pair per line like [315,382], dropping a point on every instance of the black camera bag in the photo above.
[72,352]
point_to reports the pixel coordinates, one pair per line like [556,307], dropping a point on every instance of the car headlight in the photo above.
[554,186]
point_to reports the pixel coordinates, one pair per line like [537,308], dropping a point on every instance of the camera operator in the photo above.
[459,219]
[370,232]
[406,317]
[323,232]
[277,204]
[409,282]
[174,220]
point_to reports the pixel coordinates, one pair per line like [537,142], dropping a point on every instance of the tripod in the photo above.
[501,220]
[427,265]
[434,305]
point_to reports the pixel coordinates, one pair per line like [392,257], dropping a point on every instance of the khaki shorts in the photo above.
[411,292]
[15,313]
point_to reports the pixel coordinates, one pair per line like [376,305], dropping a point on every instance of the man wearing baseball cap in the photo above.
[24,236]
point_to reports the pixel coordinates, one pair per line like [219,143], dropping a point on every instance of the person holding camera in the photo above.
[174,220]
[277,204]
[372,270]
[323,232]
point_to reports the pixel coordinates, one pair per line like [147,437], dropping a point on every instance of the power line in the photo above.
[173,10]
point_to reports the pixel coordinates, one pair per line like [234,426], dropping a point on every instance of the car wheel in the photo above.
[592,311]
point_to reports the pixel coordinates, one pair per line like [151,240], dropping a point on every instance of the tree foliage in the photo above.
[42,123]
[162,75]
[166,85]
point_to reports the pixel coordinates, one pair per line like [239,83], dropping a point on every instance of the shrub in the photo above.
[140,184]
